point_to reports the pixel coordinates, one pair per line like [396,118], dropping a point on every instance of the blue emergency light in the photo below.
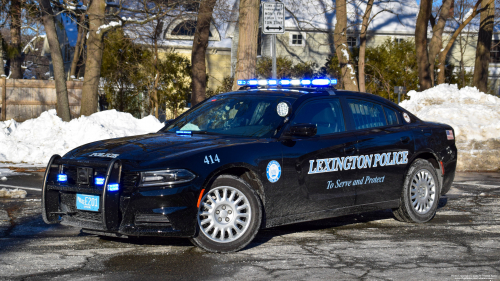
[113,187]
[62,178]
[99,181]
[288,82]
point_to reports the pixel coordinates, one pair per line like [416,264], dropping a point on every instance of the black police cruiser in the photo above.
[274,152]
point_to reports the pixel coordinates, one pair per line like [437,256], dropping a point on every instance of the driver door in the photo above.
[311,164]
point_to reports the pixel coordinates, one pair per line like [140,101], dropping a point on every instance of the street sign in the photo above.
[273,20]
[399,90]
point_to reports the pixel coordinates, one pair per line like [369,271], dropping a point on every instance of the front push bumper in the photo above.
[165,212]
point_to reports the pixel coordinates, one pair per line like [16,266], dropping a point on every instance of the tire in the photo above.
[422,183]
[229,216]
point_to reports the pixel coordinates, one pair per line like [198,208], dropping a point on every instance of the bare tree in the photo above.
[362,45]
[2,71]
[140,12]
[340,40]
[62,107]
[15,38]
[443,54]
[484,45]
[436,43]
[96,15]
[248,26]
[80,42]
[200,44]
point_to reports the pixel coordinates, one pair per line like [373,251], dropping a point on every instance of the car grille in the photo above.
[129,181]
[68,205]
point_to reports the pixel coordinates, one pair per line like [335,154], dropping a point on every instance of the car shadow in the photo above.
[32,227]
[363,220]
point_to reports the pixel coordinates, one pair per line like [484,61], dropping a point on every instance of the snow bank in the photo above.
[475,117]
[36,140]
[12,193]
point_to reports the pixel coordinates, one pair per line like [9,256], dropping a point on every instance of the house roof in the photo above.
[394,17]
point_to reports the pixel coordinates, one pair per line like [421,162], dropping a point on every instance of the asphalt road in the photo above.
[461,243]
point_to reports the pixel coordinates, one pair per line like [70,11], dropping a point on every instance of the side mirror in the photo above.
[303,130]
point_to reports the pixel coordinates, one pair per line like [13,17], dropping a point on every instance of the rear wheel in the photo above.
[229,216]
[420,196]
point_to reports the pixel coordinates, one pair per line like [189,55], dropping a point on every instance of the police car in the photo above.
[274,152]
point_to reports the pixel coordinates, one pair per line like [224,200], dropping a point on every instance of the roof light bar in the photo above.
[252,82]
[288,82]
[262,82]
[321,82]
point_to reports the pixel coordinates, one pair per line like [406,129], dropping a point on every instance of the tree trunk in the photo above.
[200,44]
[78,47]
[2,69]
[444,53]
[62,107]
[16,58]
[437,35]
[424,75]
[156,97]
[340,39]
[362,46]
[248,25]
[484,46]
[90,90]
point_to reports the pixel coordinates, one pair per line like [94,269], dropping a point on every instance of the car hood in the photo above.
[152,146]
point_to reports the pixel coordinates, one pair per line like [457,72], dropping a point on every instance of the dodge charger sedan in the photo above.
[266,155]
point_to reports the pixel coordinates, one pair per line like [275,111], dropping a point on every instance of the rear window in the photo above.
[367,114]
[392,117]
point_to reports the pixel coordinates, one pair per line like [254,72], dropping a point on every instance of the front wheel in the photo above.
[420,196]
[229,216]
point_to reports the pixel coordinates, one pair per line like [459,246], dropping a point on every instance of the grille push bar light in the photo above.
[288,82]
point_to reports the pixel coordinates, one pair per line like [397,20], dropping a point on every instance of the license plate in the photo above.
[87,202]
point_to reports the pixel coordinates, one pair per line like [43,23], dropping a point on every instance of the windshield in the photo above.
[250,116]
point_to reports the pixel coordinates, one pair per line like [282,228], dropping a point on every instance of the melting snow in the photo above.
[473,115]
[36,140]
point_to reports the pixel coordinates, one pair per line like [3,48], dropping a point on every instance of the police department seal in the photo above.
[273,171]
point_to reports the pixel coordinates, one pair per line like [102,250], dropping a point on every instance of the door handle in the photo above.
[405,140]
[349,150]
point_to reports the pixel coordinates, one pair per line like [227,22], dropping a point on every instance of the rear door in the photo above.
[384,147]
[316,170]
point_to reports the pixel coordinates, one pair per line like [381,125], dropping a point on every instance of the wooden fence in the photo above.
[23,99]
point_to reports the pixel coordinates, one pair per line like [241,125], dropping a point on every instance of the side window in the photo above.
[326,114]
[366,114]
[392,117]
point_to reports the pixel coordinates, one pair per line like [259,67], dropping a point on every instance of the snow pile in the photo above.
[475,117]
[12,193]
[36,140]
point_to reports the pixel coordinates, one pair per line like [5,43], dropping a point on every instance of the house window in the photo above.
[495,51]
[297,39]
[351,41]
[186,28]
[398,40]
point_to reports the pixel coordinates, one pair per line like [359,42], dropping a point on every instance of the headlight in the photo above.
[165,177]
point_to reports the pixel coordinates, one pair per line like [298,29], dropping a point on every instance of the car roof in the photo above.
[310,92]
